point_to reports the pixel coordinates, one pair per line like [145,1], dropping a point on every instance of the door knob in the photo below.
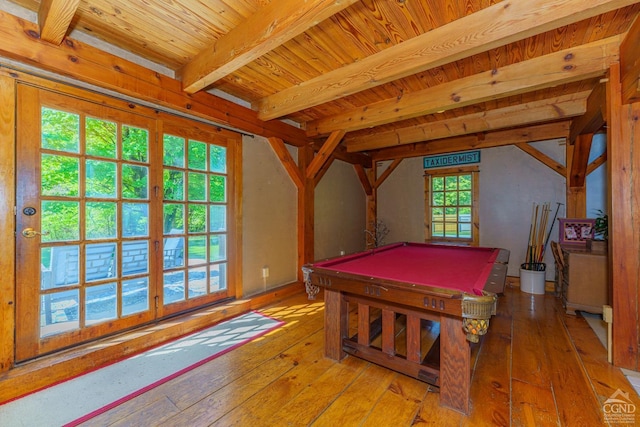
[31,233]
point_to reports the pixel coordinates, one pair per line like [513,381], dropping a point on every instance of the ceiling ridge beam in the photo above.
[479,32]
[468,142]
[265,30]
[561,107]
[569,65]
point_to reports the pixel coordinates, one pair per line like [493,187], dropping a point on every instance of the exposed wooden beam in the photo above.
[364,179]
[272,25]
[488,140]
[21,41]
[535,112]
[387,172]
[569,65]
[543,158]
[494,26]
[594,118]
[340,153]
[287,161]
[54,18]
[630,64]
[597,162]
[325,167]
[582,148]
[324,154]
[306,211]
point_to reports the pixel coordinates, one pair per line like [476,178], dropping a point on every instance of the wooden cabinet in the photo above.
[584,281]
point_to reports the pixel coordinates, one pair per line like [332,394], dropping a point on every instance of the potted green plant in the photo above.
[601,233]
[601,227]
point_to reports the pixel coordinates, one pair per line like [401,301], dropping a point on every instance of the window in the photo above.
[195,194]
[451,205]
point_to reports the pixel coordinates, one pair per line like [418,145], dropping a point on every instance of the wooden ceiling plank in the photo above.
[271,26]
[324,154]
[630,64]
[552,109]
[54,18]
[287,161]
[489,140]
[594,118]
[489,28]
[91,65]
[570,65]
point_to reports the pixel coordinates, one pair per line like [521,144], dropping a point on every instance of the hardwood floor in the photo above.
[537,366]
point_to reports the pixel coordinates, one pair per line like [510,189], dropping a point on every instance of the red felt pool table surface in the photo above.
[461,268]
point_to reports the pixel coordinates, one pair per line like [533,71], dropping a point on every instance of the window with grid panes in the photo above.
[451,205]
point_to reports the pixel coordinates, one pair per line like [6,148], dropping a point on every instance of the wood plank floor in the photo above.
[537,366]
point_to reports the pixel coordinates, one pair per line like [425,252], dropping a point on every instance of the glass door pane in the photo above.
[195,212]
[92,208]
[117,227]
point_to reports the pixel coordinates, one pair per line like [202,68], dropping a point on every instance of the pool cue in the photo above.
[535,233]
[526,258]
[530,234]
[544,217]
[552,222]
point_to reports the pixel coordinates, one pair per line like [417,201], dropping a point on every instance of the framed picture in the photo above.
[576,230]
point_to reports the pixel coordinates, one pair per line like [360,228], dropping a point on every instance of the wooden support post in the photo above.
[455,365]
[7,220]
[372,209]
[623,139]
[335,324]
[305,211]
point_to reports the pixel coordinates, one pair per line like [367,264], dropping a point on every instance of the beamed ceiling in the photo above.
[385,78]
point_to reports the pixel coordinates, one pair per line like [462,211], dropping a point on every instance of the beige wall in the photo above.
[340,212]
[269,218]
[401,201]
[510,182]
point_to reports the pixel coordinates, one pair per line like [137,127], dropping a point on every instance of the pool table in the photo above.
[411,307]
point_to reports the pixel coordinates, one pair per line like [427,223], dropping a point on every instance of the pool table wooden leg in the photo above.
[335,324]
[455,365]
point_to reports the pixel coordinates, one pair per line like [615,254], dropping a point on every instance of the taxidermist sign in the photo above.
[452,159]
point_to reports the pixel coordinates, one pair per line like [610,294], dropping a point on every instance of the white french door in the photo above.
[118,223]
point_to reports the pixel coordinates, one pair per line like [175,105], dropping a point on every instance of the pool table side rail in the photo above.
[498,276]
[431,298]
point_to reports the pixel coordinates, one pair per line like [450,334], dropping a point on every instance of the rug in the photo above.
[81,398]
